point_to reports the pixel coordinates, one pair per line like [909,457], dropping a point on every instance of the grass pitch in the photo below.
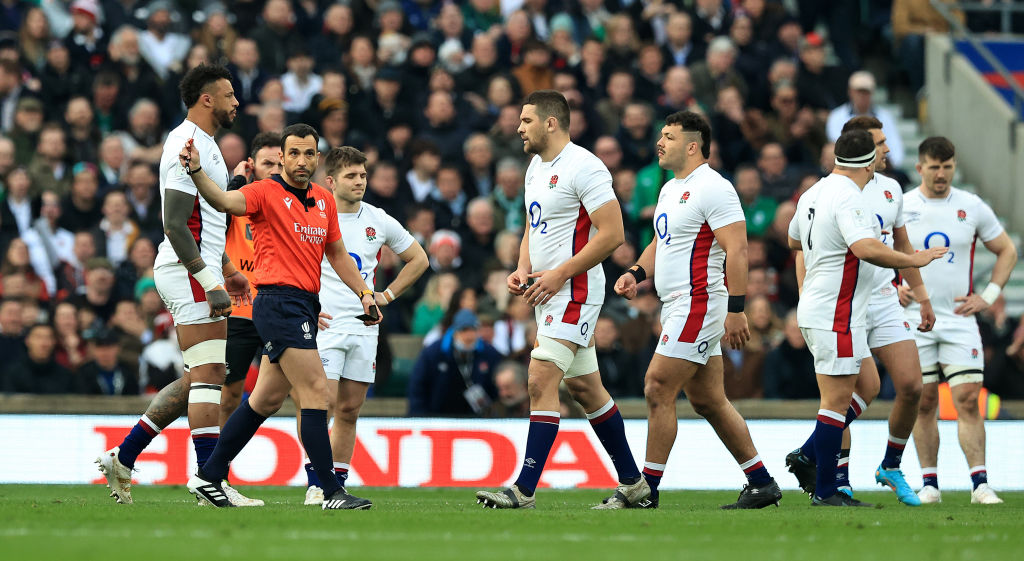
[79,522]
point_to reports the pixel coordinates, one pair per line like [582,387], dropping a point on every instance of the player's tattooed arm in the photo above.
[178,207]
[169,404]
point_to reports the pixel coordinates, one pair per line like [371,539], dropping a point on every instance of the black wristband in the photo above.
[638,273]
[195,171]
[736,303]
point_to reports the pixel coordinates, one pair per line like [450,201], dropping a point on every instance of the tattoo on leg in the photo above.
[170,404]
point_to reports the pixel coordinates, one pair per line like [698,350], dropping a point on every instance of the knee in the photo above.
[909,391]
[536,387]
[929,402]
[578,389]
[266,405]
[348,411]
[967,405]
[657,392]
[705,406]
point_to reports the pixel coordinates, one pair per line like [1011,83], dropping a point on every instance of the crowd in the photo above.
[429,90]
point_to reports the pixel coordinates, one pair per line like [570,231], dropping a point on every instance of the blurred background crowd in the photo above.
[429,90]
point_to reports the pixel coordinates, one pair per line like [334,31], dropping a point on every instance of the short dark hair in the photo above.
[862,123]
[264,140]
[198,79]
[299,130]
[341,157]
[420,146]
[693,122]
[937,148]
[550,103]
[854,144]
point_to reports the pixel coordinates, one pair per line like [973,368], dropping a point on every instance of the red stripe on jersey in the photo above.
[604,416]
[195,223]
[543,419]
[844,344]
[844,303]
[698,284]
[198,294]
[578,288]
[970,274]
[758,465]
[830,421]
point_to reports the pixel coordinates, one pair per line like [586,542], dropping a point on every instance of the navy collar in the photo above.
[304,195]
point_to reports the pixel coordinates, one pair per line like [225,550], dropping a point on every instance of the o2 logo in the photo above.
[702,348]
[359,265]
[945,243]
[881,224]
[661,226]
[584,328]
[535,218]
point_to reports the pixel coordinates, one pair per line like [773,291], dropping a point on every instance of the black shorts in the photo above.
[285,317]
[244,346]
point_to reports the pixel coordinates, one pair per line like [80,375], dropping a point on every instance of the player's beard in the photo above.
[536,145]
[224,118]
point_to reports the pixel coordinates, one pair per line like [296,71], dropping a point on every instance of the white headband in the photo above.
[858,162]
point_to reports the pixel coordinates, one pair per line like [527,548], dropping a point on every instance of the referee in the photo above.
[295,224]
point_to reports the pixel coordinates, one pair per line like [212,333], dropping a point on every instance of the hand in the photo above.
[189,155]
[321,320]
[245,168]
[380,299]
[736,332]
[220,302]
[906,295]
[546,285]
[367,302]
[626,286]
[972,304]
[516,280]
[927,317]
[926,256]
[238,289]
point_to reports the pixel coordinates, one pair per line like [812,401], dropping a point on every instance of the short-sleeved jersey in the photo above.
[560,195]
[364,233]
[884,197]
[957,222]
[830,217]
[241,251]
[205,222]
[688,262]
[289,233]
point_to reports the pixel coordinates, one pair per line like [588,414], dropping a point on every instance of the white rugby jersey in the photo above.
[956,222]
[208,226]
[363,232]
[884,197]
[560,195]
[688,262]
[829,218]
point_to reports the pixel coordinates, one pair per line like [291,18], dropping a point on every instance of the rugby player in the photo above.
[574,224]
[940,215]
[348,348]
[295,224]
[839,237]
[889,338]
[699,222]
[195,279]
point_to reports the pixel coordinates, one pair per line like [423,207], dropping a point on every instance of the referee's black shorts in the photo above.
[243,347]
[285,317]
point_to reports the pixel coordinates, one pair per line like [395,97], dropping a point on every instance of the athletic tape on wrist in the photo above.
[207,279]
[390,295]
[991,293]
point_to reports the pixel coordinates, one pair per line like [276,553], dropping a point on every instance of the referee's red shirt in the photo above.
[290,235]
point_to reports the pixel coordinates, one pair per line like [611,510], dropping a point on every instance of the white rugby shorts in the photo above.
[348,356]
[837,354]
[887,324]
[955,346]
[183,296]
[560,318]
[693,331]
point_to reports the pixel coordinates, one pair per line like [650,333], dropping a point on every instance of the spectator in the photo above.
[8,158]
[445,252]
[59,79]
[481,16]
[382,109]
[507,198]
[82,135]
[71,348]
[911,21]
[160,362]
[711,18]
[18,210]
[478,176]
[216,34]
[609,151]
[104,374]
[139,79]
[98,297]
[476,76]
[143,193]
[116,231]
[144,138]
[758,210]
[233,148]
[422,175]
[453,376]
[274,36]
[300,83]
[618,373]
[11,92]
[383,190]
[861,91]
[789,368]
[717,72]
[797,129]
[435,300]
[48,243]
[636,136]
[777,182]
[441,125]
[28,122]
[33,38]
[247,78]
[535,72]
[86,43]
[38,372]
[505,136]
[510,380]
[162,48]
[819,86]
[12,330]
[131,331]
[421,223]
[49,168]
[17,267]
[107,103]
[138,266]
[677,93]
[743,376]
[332,42]
[650,77]
[620,93]
[448,200]
[478,238]
[71,273]
[679,48]
[79,208]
